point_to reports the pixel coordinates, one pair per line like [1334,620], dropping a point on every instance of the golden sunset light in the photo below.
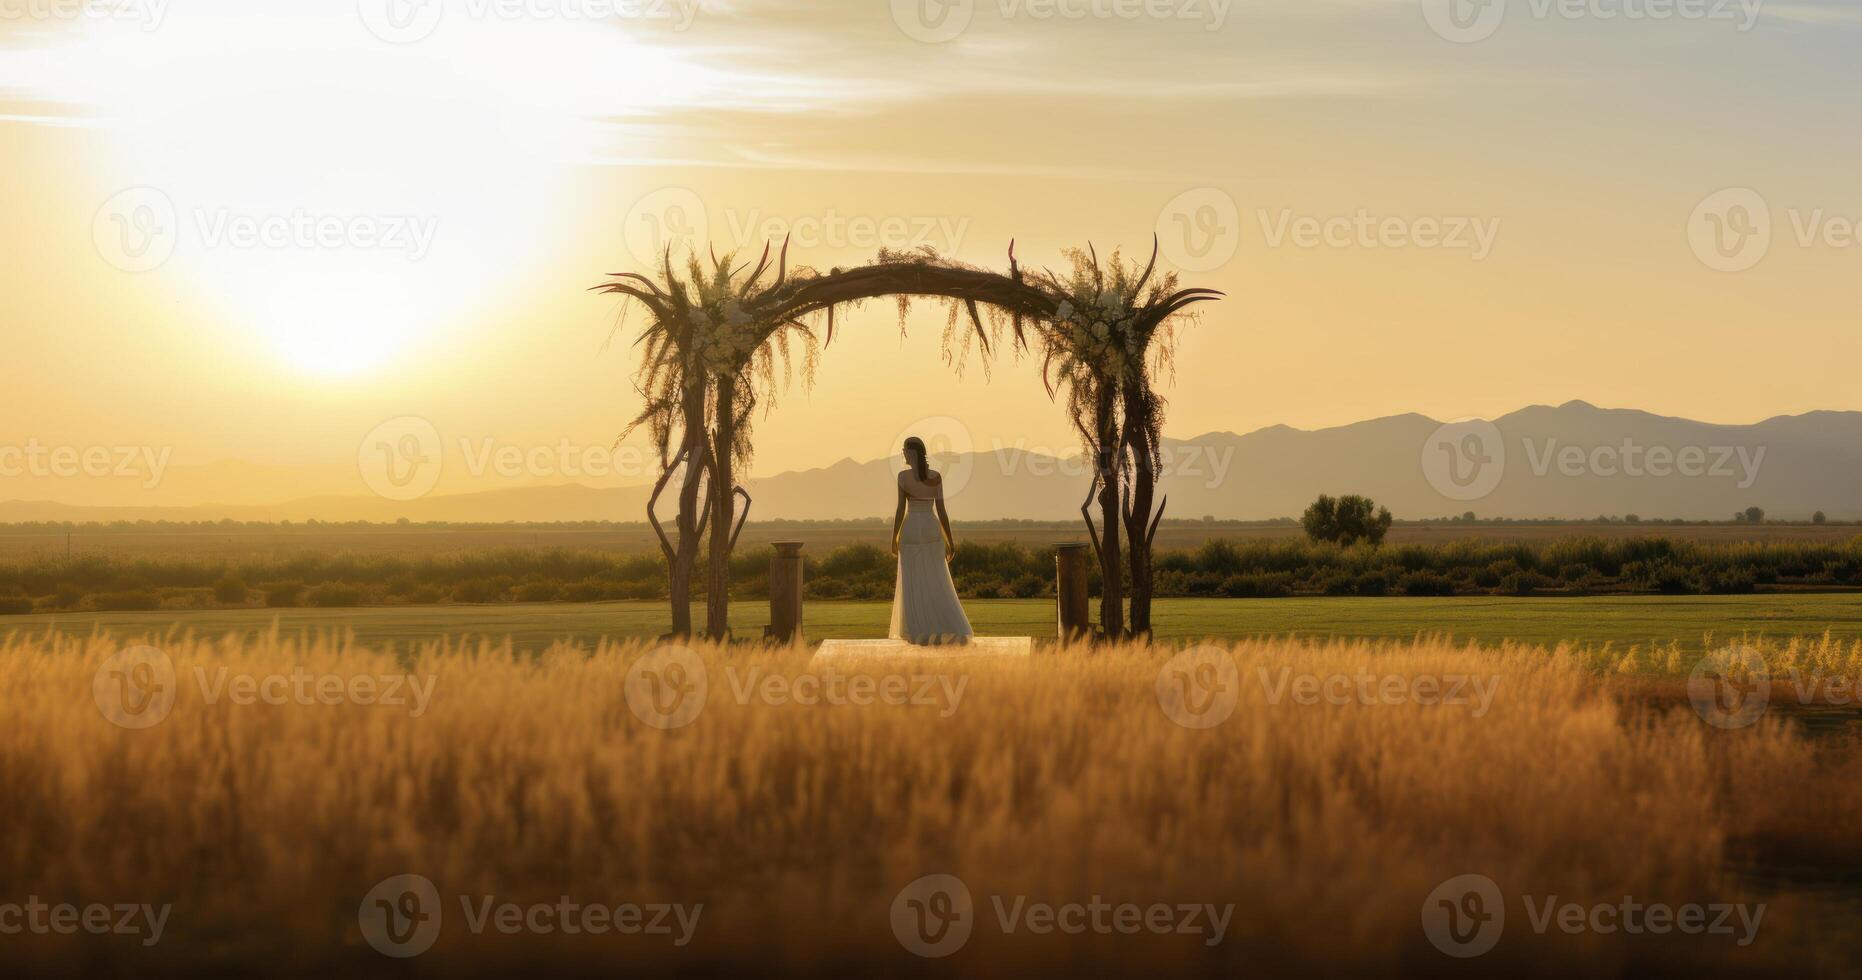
[930,487]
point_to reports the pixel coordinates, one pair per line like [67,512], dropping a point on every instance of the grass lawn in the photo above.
[1621,620]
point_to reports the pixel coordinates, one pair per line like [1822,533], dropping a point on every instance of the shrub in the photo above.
[230,590]
[138,601]
[335,594]
[281,595]
[1523,583]
[1734,582]
[590,590]
[478,590]
[14,605]
[537,592]
[1425,583]
[1030,586]
[1257,586]
[1372,583]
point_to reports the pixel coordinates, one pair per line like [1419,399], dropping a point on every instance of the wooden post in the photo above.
[1070,575]
[785,593]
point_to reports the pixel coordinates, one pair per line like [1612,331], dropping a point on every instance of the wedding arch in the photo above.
[716,337]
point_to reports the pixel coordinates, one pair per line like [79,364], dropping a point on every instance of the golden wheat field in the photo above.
[1270,807]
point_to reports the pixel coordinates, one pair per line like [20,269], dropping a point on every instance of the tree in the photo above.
[1111,327]
[1818,518]
[1346,520]
[1754,515]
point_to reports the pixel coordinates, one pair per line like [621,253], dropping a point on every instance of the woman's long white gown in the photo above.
[925,609]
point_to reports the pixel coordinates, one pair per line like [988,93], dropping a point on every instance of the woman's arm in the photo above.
[898,521]
[943,519]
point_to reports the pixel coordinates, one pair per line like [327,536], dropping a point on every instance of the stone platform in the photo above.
[846,651]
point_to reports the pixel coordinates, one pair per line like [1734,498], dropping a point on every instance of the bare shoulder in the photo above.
[933,478]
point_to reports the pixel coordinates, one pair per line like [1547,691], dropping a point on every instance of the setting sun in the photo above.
[959,488]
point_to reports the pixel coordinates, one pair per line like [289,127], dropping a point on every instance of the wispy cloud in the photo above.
[1811,13]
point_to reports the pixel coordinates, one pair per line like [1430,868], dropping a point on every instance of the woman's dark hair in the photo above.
[922,466]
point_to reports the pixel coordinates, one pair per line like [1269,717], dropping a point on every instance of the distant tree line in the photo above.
[1249,568]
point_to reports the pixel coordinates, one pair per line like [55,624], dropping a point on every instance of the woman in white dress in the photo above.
[925,609]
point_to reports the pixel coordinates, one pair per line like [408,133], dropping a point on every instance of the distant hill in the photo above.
[1570,461]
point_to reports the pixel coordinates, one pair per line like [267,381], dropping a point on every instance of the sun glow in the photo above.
[348,199]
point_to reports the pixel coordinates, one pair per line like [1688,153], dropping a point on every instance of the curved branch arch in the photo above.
[710,401]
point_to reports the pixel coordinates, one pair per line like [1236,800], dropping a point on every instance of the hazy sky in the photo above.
[340,213]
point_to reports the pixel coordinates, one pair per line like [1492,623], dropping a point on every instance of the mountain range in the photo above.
[1570,461]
